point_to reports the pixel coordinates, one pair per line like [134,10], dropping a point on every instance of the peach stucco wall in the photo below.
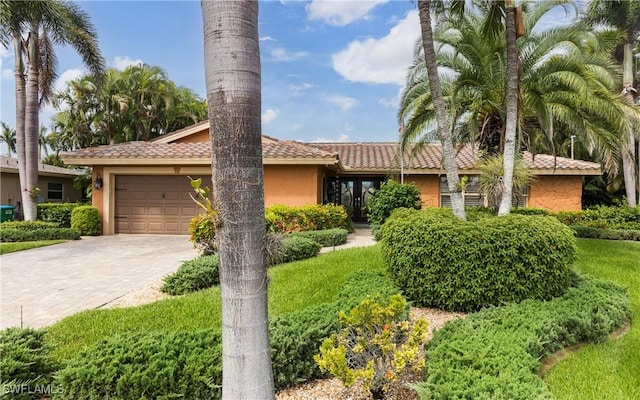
[556,193]
[199,137]
[293,185]
[429,186]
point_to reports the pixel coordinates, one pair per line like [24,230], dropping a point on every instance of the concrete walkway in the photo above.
[360,238]
[53,282]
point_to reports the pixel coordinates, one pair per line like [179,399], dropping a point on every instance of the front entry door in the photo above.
[355,194]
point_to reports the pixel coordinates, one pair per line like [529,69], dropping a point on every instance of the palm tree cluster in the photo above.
[32,28]
[569,84]
[139,103]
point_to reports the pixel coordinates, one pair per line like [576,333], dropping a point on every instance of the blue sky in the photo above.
[331,70]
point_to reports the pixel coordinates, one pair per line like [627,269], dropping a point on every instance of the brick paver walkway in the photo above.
[53,282]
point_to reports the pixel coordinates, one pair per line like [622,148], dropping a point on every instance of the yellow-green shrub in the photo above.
[287,219]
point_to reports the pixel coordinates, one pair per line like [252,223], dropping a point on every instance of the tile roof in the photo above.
[369,156]
[156,150]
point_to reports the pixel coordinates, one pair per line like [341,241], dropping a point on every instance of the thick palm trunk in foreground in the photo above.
[232,64]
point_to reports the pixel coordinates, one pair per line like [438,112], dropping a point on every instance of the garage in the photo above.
[154,204]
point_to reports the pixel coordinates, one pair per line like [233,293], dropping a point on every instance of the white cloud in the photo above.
[298,89]
[7,73]
[383,60]
[345,103]
[269,115]
[343,137]
[281,54]
[65,77]
[392,102]
[267,39]
[121,63]
[340,12]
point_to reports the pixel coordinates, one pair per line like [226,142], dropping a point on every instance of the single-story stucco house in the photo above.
[55,183]
[145,186]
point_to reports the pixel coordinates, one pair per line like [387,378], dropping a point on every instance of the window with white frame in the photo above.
[54,191]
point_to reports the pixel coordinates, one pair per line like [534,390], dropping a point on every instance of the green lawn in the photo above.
[611,370]
[292,287]
[605,371]
[19,246]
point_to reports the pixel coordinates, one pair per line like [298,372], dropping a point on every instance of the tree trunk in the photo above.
[628,144]
[444,128]
[232,65]
[32,126]
[510,145]
[20,116]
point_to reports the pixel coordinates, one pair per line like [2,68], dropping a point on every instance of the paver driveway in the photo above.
[56,281]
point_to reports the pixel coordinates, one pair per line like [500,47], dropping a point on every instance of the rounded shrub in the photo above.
[390,196]
[193,275]
[325,237]
[203,233]
[440,261]
[299,248]
[86,219]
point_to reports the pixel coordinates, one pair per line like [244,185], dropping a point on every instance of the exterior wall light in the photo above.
[98,182]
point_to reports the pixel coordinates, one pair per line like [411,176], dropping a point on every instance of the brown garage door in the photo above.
[154,204]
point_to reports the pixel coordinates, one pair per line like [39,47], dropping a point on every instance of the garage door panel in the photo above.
[154,204]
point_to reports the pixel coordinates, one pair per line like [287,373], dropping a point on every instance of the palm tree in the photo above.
[34,28]
[9,138]
[443,127]
[566,87]
[231,56]
[43,142]
[623,15]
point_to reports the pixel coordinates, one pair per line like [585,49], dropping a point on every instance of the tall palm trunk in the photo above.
[20,112]
[628,144]
[444,128]
[232,65]
[510,146]
[32,125]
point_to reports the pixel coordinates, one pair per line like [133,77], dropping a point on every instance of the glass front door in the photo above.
[355,194]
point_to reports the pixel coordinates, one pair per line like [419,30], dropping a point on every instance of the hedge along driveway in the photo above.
[53,282]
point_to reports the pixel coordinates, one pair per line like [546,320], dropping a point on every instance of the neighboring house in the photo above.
[55,183]
[145,185]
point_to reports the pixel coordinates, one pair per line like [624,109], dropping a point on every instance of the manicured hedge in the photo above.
[286,219]
[58,213]
[325,237]
[496,353]
[298,248]
[624,217]
[590,232]
[188,364]
[185,365]
[86,219]
[440,261]
[25,360]
[193,275]
[27,225]
[19,235]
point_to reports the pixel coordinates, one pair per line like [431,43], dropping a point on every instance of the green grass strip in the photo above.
[6,248]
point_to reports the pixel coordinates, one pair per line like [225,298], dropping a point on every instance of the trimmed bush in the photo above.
[325,237]
[624,217]
[27,225]
[185,365]
[193,275]
[608,234]
[25,360]
[18,235]
[203,233]
[530,211]
[440,261]
[86,219]
[390,196]
[298,248]
[189,365]
[58,213]
[286,219]
[495,353]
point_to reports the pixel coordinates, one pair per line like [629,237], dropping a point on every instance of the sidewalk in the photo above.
[362,237]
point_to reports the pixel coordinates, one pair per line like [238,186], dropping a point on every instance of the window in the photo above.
[54,191]
[473,196]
